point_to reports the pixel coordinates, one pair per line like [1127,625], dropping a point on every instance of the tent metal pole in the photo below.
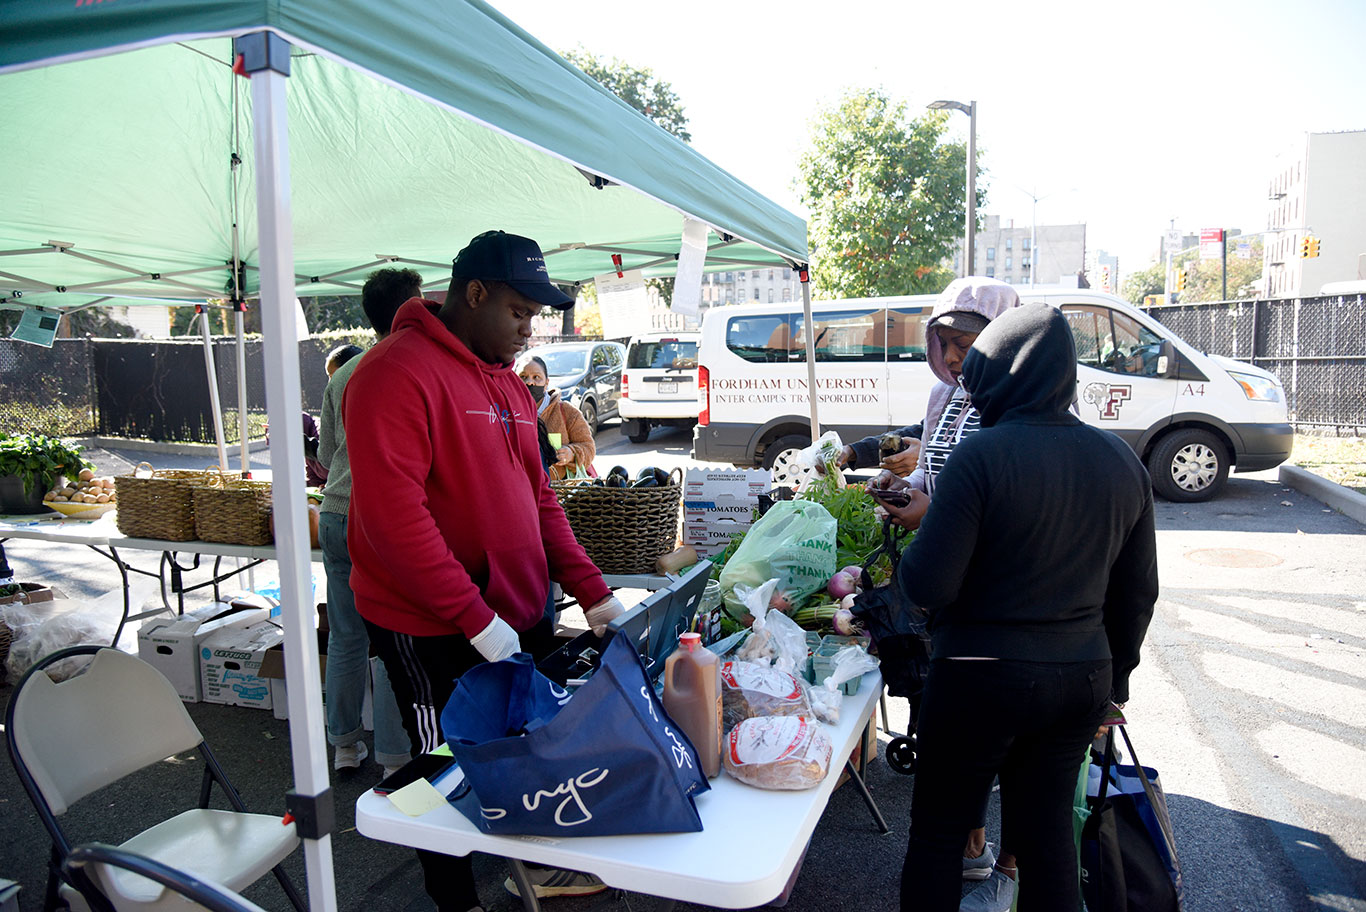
[214,405]
[805,274]
[239,329]
[266,59]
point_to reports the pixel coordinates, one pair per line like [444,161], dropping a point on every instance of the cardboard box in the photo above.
[230,665]
[273,670]
[172,644]
[710,483]
[737,509]
[711,538]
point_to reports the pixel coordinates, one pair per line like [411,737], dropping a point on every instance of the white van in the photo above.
[659,384]
[1188,415]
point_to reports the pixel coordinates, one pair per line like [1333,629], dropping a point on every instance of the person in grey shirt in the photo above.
[348,644]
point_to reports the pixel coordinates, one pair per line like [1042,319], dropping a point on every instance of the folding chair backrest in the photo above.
[79,735]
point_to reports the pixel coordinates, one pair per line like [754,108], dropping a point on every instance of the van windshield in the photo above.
[676,354]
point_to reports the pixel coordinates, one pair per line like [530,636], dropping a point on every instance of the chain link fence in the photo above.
[47,390]
[1315,345]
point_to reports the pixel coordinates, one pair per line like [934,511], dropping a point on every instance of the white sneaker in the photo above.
[979,868]
[349,756]
[996,894]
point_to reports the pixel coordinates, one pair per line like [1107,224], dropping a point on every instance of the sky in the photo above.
[1125,116]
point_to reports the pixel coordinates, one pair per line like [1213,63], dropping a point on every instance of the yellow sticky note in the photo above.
[444,750]
[555,440]
[417,798]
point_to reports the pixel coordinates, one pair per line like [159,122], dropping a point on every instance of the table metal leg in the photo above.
[867,797]
[882,704]
[524,887]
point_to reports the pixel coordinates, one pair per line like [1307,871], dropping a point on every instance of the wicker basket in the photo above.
[623,529]
[159,504]
[233,511]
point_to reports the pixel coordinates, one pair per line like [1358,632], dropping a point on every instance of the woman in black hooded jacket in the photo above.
[1037,564]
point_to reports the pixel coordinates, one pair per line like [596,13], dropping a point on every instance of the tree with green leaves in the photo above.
[886,195]
[1138,285]
[649,95]
[639,88]
[1205,280]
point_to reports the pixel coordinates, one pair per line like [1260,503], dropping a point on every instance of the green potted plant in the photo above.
[30,466]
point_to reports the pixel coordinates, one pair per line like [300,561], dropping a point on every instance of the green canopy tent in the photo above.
[140,165]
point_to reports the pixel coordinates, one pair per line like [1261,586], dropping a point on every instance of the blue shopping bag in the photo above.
[604,761]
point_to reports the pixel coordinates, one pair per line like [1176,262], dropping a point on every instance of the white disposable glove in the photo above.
[497,641]
[598,616]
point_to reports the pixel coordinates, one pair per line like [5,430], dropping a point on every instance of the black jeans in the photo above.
[423,672]
[1028,722]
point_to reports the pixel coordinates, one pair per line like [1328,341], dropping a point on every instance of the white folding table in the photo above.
[751,842]
[103,537]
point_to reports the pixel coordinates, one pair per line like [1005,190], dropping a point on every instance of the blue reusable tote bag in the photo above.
[604,761]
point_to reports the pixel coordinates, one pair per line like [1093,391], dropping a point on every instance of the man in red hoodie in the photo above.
[454,533]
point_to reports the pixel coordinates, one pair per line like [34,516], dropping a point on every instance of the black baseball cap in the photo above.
[515,260]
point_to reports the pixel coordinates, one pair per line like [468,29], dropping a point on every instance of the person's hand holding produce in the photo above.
[846,456]
[497,641]
[903,463]
[564,456]
[598,616]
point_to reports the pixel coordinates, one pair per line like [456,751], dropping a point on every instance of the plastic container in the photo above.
[692,698]
[813,643]
[825,654]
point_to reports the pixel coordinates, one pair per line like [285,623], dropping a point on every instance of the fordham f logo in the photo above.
[1107,398]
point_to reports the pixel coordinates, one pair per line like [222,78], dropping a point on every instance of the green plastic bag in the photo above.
[794,543]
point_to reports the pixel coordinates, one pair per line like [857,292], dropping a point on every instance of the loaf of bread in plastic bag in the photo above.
[750,689]
[778,752]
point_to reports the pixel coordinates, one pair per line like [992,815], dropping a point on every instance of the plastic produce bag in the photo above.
[794,543]
[827,697]
[750,689]
[822,456]
[42,628]
[774,637]
[778,752]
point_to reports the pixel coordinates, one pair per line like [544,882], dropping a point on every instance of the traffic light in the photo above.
[1180,280]
[1305,247]
[1313,247]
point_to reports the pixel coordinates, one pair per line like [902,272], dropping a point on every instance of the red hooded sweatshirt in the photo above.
[452,519]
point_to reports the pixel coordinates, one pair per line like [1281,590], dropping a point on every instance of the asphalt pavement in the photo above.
[1248,702]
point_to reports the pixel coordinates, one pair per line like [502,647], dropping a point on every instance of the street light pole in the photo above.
[970,226]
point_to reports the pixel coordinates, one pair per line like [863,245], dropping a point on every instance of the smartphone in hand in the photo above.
[894,498]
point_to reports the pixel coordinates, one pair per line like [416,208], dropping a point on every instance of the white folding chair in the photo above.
[120,715]
[119,875]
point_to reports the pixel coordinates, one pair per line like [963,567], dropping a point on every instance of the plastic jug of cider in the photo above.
[692,698]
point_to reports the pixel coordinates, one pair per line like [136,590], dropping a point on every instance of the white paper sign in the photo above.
[1171,241]
[623,303]
[692,256]
[38,327]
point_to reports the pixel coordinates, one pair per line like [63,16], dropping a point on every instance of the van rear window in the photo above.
[663,354]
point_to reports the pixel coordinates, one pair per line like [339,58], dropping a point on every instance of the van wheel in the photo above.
[590,414]
[1188,466]
[781,458]
[640,436]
